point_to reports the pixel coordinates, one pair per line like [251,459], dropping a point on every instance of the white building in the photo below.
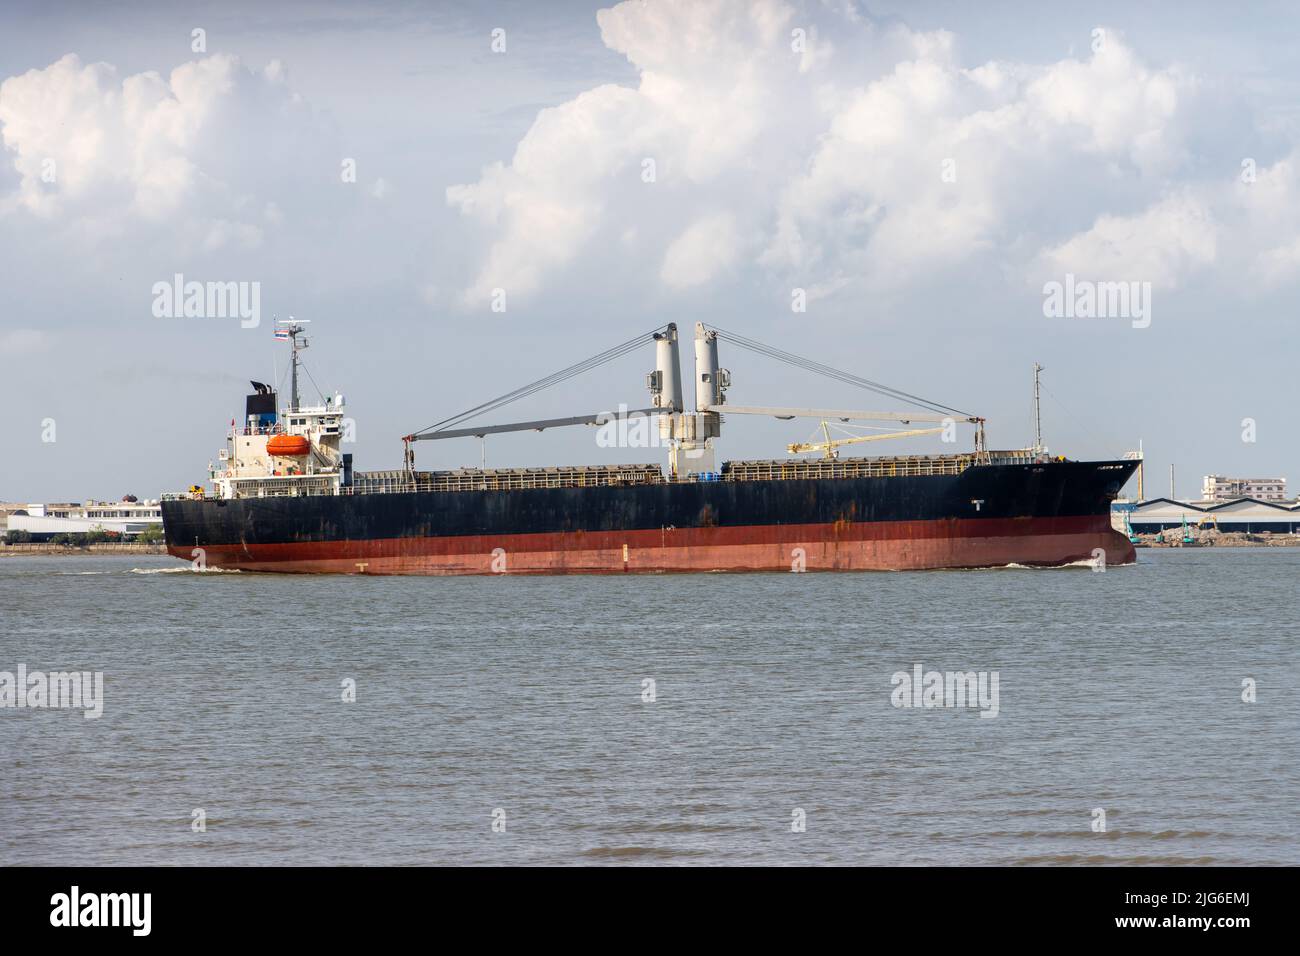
[127,518]
[1219,488]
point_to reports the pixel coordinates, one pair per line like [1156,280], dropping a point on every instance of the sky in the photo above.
[463,198]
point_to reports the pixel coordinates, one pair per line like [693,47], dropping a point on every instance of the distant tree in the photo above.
[15,536]
[152,534]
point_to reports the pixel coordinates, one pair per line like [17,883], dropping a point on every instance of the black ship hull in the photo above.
[1044,513]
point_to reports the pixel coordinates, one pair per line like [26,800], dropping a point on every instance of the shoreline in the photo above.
[72,551]
[1218,539]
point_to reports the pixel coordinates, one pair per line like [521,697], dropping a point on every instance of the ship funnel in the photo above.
[259,407]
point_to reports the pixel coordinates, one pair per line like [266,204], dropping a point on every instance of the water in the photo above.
[1119,691]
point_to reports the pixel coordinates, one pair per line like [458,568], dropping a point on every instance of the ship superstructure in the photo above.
[295,451]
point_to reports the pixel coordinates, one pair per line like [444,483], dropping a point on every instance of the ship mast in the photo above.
[291,329]
[1038,413]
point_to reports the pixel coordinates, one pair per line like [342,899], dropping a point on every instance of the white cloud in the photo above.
[1270,218]
[547,202]
[1116,105]
[1279,264]
[198,154]
[1161,245]
[223,233]
[934,163]
[709,73]
[871,163]
[877,160]
[1238,228]
[707,247]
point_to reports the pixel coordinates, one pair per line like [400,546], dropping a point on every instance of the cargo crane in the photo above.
[690,435]
[830,446]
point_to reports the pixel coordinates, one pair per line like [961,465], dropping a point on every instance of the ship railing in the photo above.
[594,476]
[512,479]
[903,466]
[276,429]
[795,468]
[296,486]
[280,428]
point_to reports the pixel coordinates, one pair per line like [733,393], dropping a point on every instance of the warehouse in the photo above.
[1247,515]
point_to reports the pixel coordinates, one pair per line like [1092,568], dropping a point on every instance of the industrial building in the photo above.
[1246,515]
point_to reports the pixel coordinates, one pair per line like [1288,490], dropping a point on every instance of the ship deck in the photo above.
[595,476]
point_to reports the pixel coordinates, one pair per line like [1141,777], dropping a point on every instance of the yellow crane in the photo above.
[830,445]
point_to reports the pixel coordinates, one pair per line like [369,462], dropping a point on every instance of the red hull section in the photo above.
[844,546]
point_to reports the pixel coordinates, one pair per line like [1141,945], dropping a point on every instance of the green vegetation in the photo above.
[79,539]
[153,534]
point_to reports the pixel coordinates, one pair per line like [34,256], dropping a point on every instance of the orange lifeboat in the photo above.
[287,446]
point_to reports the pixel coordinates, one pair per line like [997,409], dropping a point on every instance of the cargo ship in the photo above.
[284,497]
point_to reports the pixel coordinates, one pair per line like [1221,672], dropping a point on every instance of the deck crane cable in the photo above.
[572,371]
[838,374]
[586,365]
[830,372]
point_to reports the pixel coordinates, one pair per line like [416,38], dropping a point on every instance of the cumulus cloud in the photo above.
[548,202]
[1112,102]
[1161,244]
[708,74]
[878,160]
[761,143]
[1268,203]
[208,146]
[1246,226]
[706,248]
